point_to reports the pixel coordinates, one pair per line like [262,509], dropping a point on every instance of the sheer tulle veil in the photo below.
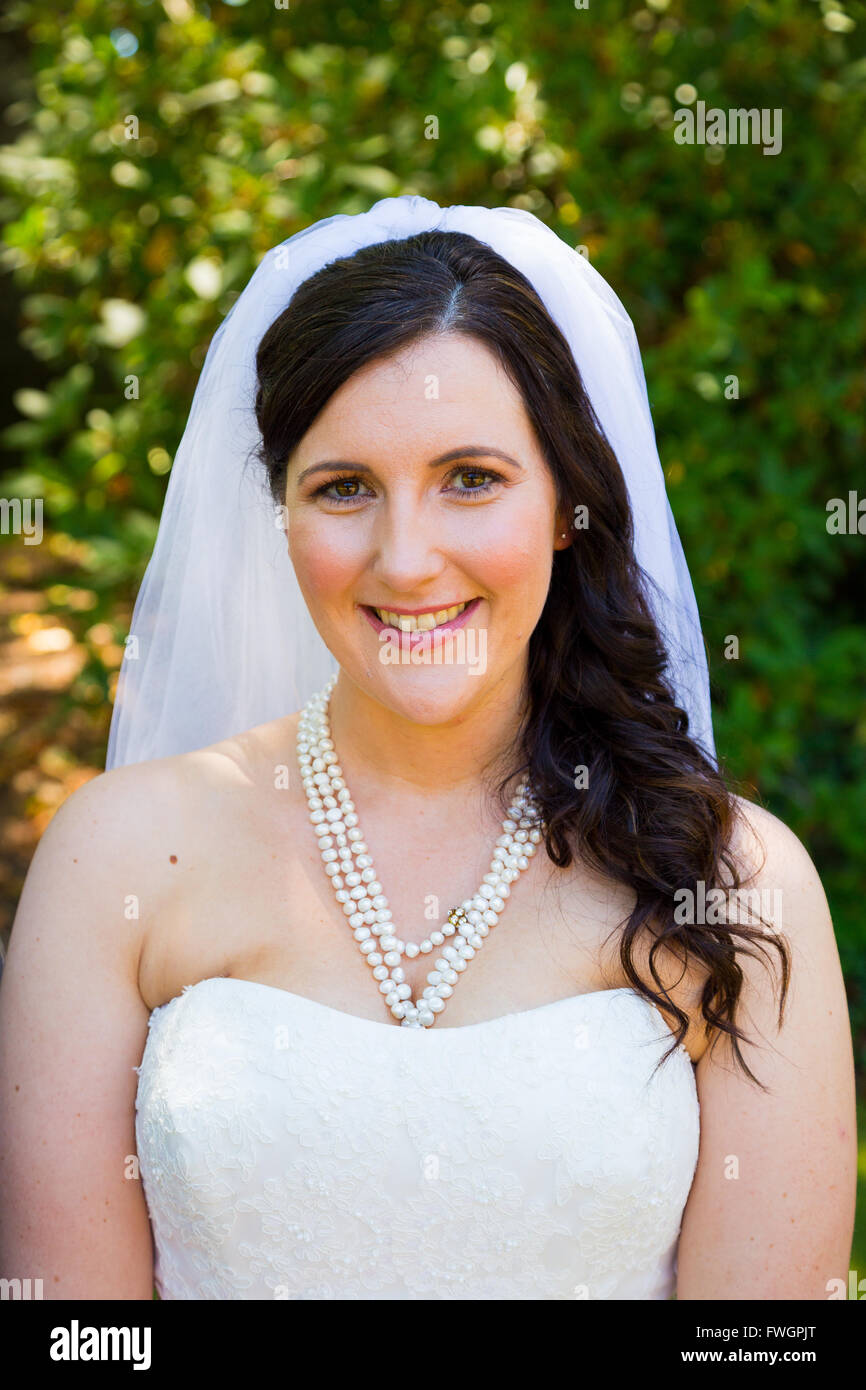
[221,638]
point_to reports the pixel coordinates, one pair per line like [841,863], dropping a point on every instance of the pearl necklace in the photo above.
[349,866]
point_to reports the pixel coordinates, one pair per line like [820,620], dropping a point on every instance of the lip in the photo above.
[432,633]
[416,612]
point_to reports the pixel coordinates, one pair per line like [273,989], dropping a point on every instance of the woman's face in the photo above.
[400,505]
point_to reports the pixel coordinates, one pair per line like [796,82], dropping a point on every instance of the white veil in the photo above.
[221,638]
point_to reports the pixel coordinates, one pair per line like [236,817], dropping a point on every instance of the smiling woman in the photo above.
[426,530]
[519,1071]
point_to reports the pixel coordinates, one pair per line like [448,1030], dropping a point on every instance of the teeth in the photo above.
[423,623]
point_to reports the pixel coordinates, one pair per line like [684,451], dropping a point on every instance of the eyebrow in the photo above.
[467,451]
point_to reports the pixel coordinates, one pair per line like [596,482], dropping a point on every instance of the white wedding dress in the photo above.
[290,1150]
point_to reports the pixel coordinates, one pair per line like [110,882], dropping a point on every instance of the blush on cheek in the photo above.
[324,563]
[517,572]
[513,558]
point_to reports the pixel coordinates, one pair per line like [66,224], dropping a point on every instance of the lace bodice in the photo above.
[290,1150]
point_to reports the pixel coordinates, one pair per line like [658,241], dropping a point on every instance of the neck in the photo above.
[388,750]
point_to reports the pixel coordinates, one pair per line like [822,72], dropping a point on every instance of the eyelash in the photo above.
[466,492]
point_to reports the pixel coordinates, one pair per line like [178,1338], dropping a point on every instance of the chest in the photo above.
[254,900]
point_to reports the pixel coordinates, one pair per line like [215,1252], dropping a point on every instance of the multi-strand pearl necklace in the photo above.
[349,866]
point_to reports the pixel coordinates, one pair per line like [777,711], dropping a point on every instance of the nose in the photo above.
[406,556]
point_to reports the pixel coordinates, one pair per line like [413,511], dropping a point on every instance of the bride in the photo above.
[412,945]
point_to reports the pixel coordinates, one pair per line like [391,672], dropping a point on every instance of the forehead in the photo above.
[427,393]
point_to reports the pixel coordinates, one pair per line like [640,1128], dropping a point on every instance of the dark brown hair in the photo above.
[656,814]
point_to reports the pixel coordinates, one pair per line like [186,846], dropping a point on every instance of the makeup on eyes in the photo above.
[493,478]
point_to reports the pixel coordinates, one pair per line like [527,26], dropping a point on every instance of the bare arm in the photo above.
[771,1211]
[72,1028]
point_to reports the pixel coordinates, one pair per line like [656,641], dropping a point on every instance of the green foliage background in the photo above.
[255,120]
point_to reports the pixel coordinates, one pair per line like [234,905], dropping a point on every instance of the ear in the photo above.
[563,534]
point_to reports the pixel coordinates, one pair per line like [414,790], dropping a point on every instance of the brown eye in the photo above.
[340,490]
[474,482]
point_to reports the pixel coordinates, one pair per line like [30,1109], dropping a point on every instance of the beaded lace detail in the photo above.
[289,1150]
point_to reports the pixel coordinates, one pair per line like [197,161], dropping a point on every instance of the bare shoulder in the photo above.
[122,834]
[791,977]
[776,881]
[106,831]
[129,803]
[766,850]
[777,869]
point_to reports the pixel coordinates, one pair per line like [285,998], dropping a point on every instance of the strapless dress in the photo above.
[290,1150]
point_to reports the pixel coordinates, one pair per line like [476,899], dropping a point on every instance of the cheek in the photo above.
[324,558]
[514,559]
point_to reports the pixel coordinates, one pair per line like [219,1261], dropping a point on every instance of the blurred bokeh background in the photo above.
[152,151]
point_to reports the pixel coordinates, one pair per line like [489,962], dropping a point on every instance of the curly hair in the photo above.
[653,812]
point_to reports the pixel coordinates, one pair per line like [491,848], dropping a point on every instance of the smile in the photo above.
[430,621]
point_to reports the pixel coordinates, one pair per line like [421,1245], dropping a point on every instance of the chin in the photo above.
[426,695]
